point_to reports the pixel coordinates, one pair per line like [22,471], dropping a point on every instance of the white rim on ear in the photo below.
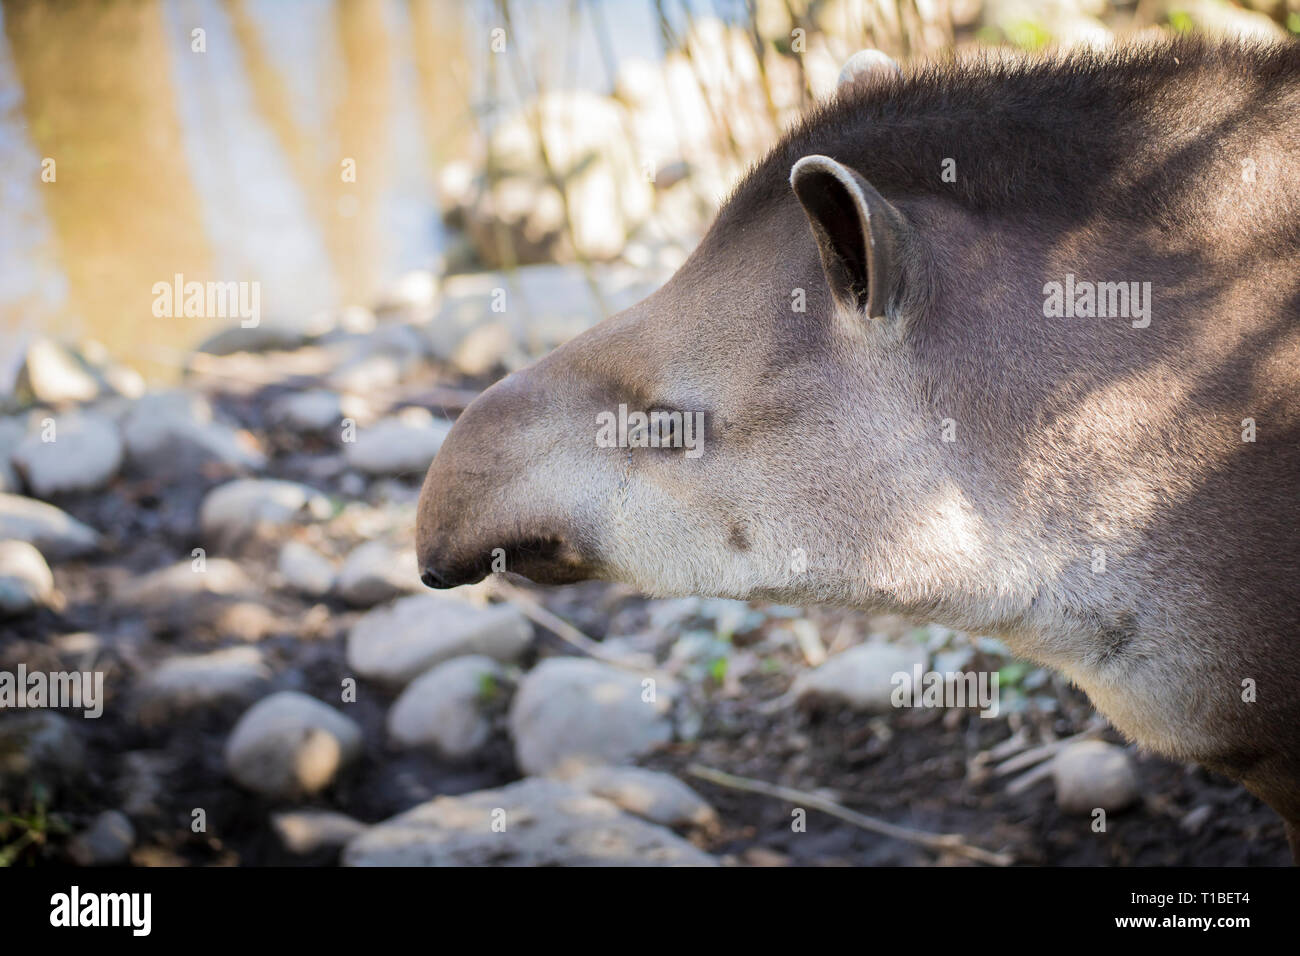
[842,175]
[865,62]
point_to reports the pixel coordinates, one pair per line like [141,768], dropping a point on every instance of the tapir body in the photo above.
[1008,346]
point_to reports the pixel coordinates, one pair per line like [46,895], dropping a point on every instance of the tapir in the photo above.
[1011,345]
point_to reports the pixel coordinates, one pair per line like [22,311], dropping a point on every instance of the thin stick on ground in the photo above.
[940,842]
[1036,755]
[532,609]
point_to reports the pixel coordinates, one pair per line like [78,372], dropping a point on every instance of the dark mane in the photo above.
[1043,132]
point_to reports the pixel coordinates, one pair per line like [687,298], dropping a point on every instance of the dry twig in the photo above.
[532,609]
[939,842]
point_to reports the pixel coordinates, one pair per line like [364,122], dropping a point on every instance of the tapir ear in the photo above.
[860,236]
[867,64]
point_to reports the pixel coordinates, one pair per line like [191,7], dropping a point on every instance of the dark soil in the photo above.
[918,778]
[909,769]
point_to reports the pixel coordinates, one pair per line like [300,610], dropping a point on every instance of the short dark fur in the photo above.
[1054,135]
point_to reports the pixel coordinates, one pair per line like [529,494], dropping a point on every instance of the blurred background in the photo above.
[218,517]
[591,131]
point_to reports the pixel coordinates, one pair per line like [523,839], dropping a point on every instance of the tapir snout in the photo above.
[473,520]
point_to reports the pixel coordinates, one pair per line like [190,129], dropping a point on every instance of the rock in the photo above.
[414,292]
[571,711]
[404,343]
[263,337]
[367,373]
[486,347]
[546,823]
[246,621]
[55,375]
[56,534]
[374,573]
[445,708]
[12,432]
[121,380]
[315,410]
[84,455]
[289,745]
[554,301]
[106,842]
[173,433]
[861,677]
[237,509]
[305,570]
[658,797]
[401,444]
[25,579]
[183,683]
[38,747]
[183,582]
[398,643]
[308,832]
[1093,774]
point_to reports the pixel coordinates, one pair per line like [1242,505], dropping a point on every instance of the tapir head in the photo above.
[714,438]
[750,430]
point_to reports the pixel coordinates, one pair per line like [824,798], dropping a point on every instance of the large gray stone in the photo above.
[185,682]
[535,822]
[290,745]
[175,433]
[54,374]
[184,581]
[861,677]
[305,570]
[106,842]
[313,410]
[56,534]
[306,832]
[403,444]
[84,454]
[572,711]
[396,644]
[278,335]
[25,579]
[658,797]
[376,572]
[1091,775]
[446,707]
[237,509]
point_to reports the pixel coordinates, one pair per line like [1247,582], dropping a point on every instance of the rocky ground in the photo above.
[234,555]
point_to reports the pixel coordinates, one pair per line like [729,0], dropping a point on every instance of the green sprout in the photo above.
[18,832]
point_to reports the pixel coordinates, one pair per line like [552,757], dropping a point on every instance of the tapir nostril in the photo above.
[432,579]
